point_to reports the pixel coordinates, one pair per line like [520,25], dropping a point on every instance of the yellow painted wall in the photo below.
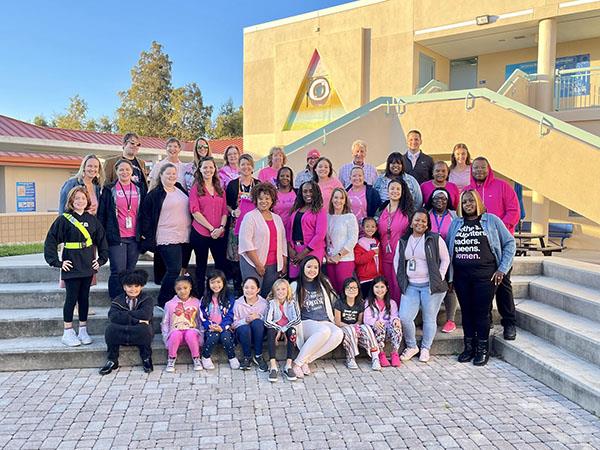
[47,186]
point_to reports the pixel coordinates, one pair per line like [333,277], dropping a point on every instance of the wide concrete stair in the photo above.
[558,340]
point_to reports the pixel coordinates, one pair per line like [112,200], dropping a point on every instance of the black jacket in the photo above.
[432,253]
[151,207]
[120,314]
[423,170]
[107,213]
[373,199]
[231,193]
[62,231]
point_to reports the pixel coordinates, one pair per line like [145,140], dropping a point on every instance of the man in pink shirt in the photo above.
[501,200]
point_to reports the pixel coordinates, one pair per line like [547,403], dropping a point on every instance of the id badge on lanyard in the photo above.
[128,222]
[411,265]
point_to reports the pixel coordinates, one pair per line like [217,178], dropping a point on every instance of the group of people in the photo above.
[311,261]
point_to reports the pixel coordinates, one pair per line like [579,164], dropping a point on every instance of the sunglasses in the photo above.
[205,147]
[135,144]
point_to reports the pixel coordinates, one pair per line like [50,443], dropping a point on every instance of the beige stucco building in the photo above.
[365,69]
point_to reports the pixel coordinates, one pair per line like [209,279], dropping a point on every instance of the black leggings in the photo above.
[290,347]
[475,296]
[78,293]
[201,245]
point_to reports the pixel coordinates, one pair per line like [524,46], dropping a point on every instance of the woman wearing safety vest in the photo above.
[79,231]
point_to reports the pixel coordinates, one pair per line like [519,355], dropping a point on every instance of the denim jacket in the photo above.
[502,242]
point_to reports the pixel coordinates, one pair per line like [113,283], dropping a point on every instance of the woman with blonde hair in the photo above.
[230,170]
[460,167]
[91,176]
[276,160]
[201,150]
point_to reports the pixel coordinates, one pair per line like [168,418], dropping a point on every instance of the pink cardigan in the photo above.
[254,235]
[369,318]
[314,229]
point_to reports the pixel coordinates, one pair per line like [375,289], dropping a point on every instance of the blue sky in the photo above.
[50,51]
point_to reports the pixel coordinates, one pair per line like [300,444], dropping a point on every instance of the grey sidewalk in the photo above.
[442,404]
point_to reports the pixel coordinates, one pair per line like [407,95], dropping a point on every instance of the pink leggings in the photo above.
[338,273]
[191,337]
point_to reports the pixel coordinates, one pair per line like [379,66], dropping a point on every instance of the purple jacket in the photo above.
[499,199]
[314,229]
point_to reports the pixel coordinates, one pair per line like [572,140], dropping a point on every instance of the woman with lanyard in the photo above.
[230,170]
[80,233]
[91,176]
[166,223]
[364,199]
[441,215]
[421,262]
[119,215]
[392,222]
[307,227]
[239,202]
[201,150]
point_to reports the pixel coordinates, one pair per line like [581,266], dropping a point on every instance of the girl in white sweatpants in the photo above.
[318,334]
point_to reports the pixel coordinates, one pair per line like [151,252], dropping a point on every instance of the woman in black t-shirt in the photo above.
[348,311]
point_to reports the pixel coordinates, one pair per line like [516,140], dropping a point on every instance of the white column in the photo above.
[545,64]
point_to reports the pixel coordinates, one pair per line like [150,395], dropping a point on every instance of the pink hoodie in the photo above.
[499,198]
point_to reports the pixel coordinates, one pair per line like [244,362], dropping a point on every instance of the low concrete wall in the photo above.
[25,227]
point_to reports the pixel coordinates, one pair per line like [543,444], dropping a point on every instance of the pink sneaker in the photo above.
[298,371]
[449,327]
[383,360]
[306,369]
[395,359]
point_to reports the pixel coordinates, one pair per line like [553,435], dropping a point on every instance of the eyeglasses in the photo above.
[351,288]
[135,144]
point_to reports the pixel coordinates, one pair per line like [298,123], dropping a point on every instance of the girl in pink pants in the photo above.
[180,323]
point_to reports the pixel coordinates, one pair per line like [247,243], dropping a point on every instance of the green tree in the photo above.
[146,105]
[40,121]
[74,118]
[229,122]
[105,125]
[189,118]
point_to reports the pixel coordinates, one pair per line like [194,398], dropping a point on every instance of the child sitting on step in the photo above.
[130,322]
[180,323]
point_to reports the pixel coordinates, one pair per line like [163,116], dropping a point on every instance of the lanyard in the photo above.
[390,219]
[242,193]
[439,223]
[127,200]
[413,247]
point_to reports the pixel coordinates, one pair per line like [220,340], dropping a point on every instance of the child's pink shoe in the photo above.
[449,327]
[383,360]
[396,359]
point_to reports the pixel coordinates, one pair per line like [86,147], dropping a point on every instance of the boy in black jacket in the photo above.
[130,318]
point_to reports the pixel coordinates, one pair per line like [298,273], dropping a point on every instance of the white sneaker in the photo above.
[424,356]
[69,338]
[234,363]
[197,364]
[351,363]
[170,365]
[84,337]
[408,353]
[207,364]
[375,364]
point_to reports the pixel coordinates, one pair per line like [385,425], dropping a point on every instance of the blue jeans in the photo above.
[171,255]
[418,295]
[123,258]
[250,335]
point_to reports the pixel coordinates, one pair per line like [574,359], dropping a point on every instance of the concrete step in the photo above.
[573,377]
[568,296]
[49,295]
[580,273]
[47,353]
[568,331]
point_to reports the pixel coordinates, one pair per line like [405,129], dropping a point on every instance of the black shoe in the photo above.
[290,374]
[482,353]
[245,363]
[510,332]
[147,364]
[469,351]
[261,363]
[273,375]
[109,367]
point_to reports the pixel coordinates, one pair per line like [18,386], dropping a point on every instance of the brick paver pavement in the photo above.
[439,405]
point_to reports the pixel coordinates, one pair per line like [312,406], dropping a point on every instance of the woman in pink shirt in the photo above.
[307,227]
[326,179]
[460,167]
[392,223]
[262,244]
[276,160]
[230,170]
[286,195]
[440,180]
[364,199]
[209,210]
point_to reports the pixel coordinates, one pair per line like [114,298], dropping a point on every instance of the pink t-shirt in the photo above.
[215,315]
[127,206]
[428,187]
[398,224]
[93,209]
[212,207]
[358,203]
[441,224]
[272,254]
[175,222]
[283,207]
[460,178]
[268,175]
[327,188]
